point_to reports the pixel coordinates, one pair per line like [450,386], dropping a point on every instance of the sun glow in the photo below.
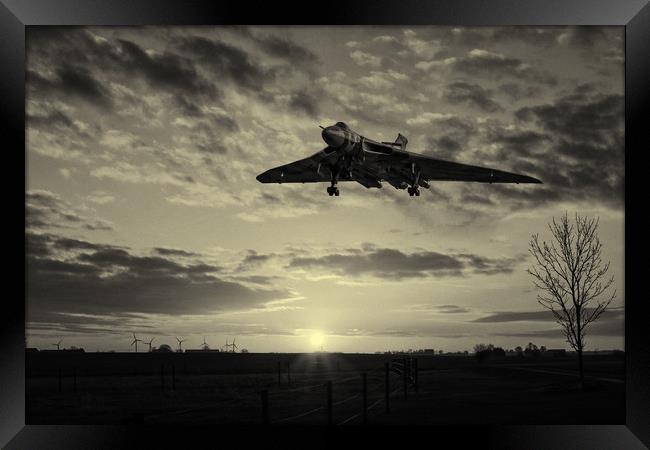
[316,339]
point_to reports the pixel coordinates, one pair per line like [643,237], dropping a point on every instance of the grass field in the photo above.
[114,388]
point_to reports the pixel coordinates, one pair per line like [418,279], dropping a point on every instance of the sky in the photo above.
[143,214]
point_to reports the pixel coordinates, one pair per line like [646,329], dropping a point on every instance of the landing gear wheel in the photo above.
[413,190]
[336,191]
[417,192]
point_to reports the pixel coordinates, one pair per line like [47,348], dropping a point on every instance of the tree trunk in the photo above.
[582,375]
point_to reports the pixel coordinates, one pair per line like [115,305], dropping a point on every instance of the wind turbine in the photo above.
[58,344]
[205,344]
[149,344]
[135,341]
[227,346]
[233,345]
[180,344]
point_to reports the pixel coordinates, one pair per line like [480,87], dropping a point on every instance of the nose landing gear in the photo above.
[414,190]
[333,189]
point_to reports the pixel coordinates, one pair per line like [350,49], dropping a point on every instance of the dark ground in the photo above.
[116,388]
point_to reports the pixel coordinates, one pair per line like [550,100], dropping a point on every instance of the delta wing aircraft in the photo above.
[352,157]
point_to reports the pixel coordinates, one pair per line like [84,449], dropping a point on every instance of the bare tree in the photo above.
[572,277]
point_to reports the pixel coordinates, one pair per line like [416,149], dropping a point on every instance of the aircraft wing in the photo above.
[439,170]
[312,169]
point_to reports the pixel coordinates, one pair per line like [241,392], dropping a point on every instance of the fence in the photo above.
[405,369]
[362,394]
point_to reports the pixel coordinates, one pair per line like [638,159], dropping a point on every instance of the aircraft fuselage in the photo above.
[350,156]
[341,139]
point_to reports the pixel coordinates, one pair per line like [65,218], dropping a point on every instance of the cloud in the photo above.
[519,142]
[579,116]
[378,332]
[610,323]
[385,39]
[305,102]
[79,81]
[365,59]
[472,95]
[439,309]
[516,91]
[117,59]
[607,328]
[478,62]
[573,144]
[163,70]
[45,209]
[585,132]
[383,80]
[427,118]
[227,62]
[286,49]
[100,197]
[449,137]
[174,252]
[393,264]
[56,120]
[71,81]
[79,277]
[541,316]
[206,134]
[420,47]
[254,259]
[582,36]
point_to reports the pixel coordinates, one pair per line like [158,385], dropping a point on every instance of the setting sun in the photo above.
[317,338]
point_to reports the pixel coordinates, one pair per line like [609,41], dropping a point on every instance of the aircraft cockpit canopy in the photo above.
[342,125]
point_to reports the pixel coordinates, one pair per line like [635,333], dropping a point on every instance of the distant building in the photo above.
[555,352]
[164,348]
[73,349]
[31,350]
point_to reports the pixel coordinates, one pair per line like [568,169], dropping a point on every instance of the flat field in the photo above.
[209,388]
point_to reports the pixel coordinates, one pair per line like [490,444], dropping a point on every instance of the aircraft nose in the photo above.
[333,136]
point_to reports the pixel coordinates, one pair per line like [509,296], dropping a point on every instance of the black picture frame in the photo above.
[15,15]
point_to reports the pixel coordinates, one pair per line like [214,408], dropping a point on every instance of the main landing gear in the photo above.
[414,190]
[333,190]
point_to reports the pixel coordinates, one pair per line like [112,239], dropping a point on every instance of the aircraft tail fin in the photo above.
[401,140]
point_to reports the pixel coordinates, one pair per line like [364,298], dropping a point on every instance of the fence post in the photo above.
[265,406]
[416,375]
[387,372]
[74,379]
[289,373]
[405,379]
[329,403]
[162,377]
[279,373]
[364,396]
[59,380]
[173,377]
